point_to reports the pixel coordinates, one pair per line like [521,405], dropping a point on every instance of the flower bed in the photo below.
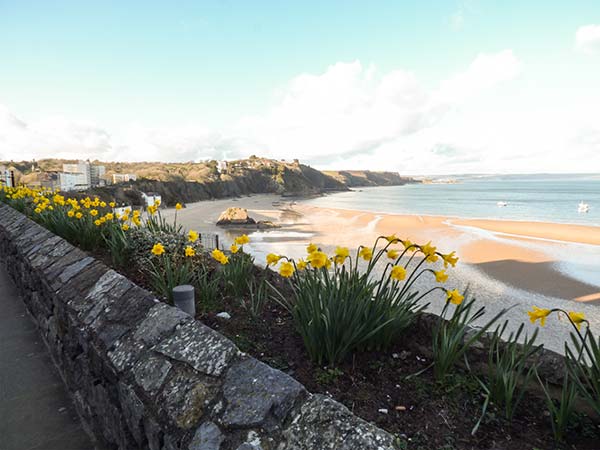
[357,331]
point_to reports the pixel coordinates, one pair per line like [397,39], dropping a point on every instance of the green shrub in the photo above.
[562,409]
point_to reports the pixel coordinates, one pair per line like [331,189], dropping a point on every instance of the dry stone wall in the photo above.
[144,375]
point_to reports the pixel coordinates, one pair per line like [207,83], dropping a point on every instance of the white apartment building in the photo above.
[6,178]
[80,176]
[123,177]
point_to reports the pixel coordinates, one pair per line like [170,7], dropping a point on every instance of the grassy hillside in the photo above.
[194,181]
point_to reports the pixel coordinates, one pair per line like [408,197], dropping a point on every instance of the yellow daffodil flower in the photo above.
[193,236]
[539,314]
[112,204]
[286,269]
[219,256]
[393,254]
[450,259]
[234,248]
[440,276]
[301,265]
[341,253]
[366,253]
[577,318]
[243,239]
[454,297]
[125,227]
[398,273]
[189,251]
[272,259]
[318,259]
[311,248]
[178,206]
[78,215]
[158,249]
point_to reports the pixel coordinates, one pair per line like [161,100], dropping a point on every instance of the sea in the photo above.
[542,198]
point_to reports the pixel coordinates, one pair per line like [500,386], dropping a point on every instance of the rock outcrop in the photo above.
[235,216]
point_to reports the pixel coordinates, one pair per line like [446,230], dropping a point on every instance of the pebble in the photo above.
[383,411]
[400,408]
[224,315]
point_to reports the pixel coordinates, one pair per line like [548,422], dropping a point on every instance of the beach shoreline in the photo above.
[519,253]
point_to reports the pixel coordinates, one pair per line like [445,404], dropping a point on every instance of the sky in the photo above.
[431,87]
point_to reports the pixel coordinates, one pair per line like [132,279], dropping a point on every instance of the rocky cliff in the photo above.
[360,178]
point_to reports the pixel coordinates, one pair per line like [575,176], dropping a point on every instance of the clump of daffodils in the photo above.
[369,290]
[402,257]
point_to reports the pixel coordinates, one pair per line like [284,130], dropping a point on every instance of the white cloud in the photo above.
[587,39]
[356,116]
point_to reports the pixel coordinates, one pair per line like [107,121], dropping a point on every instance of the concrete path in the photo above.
[35,410]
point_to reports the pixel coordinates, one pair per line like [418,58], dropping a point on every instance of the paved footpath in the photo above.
[35,411]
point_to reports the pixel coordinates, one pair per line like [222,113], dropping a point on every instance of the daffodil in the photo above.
[243,239]
[408,245]
[193,236]
[311,248]
[577,318]
[125,227]
[93,212]
[398,273]
[454,297]
[392,238]
[318,259]
[189,251]
[366,253]
[110,216]
[286,269]
[539,314]
[97,222]
[219,256]
[440,276]
[158,249]
[234,248]
[392,253]
[272,259]
[103,204]
[178,206]
[341,253]
[78,215]
[71,213]
[301,264]
[450,259]
[112,204]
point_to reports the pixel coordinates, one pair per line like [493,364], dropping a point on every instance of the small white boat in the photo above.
[502,204]
[583,207]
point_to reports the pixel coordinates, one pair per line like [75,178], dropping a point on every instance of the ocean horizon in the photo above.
[552,198]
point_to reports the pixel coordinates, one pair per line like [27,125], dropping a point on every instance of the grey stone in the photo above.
[224,315]
[150,373]
[185,397]
[199,346]
[161,320]
[324,423]
[74,269]
[248,446]
[257,394]
[133,411]
[207,437]
[125,353]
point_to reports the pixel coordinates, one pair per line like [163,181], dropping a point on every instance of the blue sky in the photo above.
[390,83]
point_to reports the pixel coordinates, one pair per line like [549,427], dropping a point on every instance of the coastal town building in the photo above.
[151,198]
[81,176]
[7,177]
[123,177]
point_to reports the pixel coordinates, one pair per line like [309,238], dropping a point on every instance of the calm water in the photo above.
[542,198]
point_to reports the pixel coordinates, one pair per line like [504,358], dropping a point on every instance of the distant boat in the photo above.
[583,207]
[502,204]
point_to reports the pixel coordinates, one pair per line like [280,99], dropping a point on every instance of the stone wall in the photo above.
[144,375]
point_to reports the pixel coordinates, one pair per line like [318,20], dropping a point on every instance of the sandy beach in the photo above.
[506,264]
[517,253]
